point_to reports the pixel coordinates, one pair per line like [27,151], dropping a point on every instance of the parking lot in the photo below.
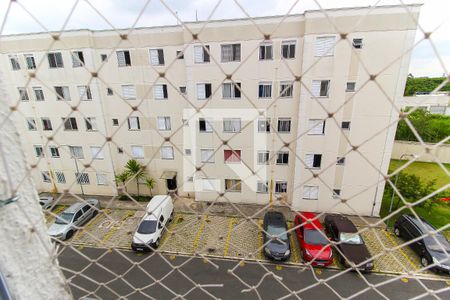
[226,237]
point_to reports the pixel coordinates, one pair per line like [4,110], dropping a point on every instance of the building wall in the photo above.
[434,103]
[405,150]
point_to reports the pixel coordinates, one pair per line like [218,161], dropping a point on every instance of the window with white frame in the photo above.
[284,125]
[340,160]
[38,150]
[23,94]
[205,125]
[70,123]
[187,152]
[123,58]
[156,57]
[46,124]
[31,124]
[201,54]
[263,157]
[38,94]
[102,179]
[137,151]
[320,88]
[77,59]
[97,152]
[265,51]
[54,151]
[438,109]
[179,54]
[288,49]
[233,185]
[183,90]
[164,123]
[133,123]
[286,89]
[345,125]
[167,152]
[313,160]
[262,187]
[160,91]
[60,177]
[357,43]
[324,46]
[91,124]
[14,60]
[265,90]
[208,184]
[55,60]
[316,126]
[31,63]
[203,91]
[280,187]
[85,92]
[62,93]
[232,125]
[350,87]
[232,156]
[282,157]
[76,152]
[336,193]
[231,90]
[46,176]
[207,155]
[264,125]
[310,192]
[82,178]
[129,92]
[230,52]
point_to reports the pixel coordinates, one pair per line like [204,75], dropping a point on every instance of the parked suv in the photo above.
[72,218]
[431,250]
[276,237]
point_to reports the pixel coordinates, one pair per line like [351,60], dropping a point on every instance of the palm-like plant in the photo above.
[135,170]
[123,178]
[150,183]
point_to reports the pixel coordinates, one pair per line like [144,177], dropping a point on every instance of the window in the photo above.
[232,125]
[180,54]
[284,125]
[286,89]
[203,91]
[77,59]
[208,184]
[187,152]
[46,124]
[264,125]
[85,92]
[23,94]
[55,60]
[280,187]
[39,94]
[320,88]
[62,93]
[310,192]
[31,63]
[324,46]
[14,62]
[340,161]
[316,127]
[70,124]
[207,155]
[231,90]
[82,178]
[160,91]
[54,151]
[357,43]
[115,122]
[233,185]
[156,57]
[164,123]
[262,187]
[91,124]
[76,152]
[201,54]
[336,193]
[39,150]
[104,57]
[183,90]
[167,152]
[231,52]
[232,156]
[129,92]
[282,157]
[123,58]
[313,160]
[31,124]
[204,125]
[109,92]
[438,109]
[46,176]
[60,177]
[345,125]
[97,152]
[102,179]
[288,49]
[263,157]
[265,90]
[351,86]
[265,51]
[133,123]
[137,151]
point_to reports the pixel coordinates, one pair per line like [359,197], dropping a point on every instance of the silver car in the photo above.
[46,201]
[72,218]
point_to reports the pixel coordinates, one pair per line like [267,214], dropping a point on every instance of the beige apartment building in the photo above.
[237,110]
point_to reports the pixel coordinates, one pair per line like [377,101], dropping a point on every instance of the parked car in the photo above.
[349,242]
[431,250]
[314,244]
[46,201]
[149,232]
[72,218]
[276,237]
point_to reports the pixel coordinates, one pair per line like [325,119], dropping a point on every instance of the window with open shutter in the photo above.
[207,155]
[316,126]
[324,46]
[133,123]
[123,58]
[167,152]
[156,57]
[137,151]
[129,92]
[201,92]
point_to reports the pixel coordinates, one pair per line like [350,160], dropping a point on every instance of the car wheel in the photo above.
[397,231]
[156,244]
[69,234]
[424,261]
[171,217]
[94,213]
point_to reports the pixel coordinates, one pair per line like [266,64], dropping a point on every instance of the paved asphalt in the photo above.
[151,276]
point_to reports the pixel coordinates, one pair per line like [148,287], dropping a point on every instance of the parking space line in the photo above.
[294,249]
[227,242]
[170,228]
[401,251]
[260,240]
[83,231]
[116,227]
[199,233]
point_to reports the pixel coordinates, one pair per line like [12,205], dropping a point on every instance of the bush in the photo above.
[424,84]
[135,197]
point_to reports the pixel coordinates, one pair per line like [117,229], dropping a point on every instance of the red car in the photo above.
[314,244]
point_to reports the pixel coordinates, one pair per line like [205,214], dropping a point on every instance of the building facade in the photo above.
[299,109]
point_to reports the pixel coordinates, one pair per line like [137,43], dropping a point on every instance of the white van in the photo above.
[149,232]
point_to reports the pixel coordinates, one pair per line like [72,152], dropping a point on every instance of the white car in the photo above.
[46,201]
[72,218]
[149,232]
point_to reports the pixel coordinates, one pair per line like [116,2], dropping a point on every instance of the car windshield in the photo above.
[277,231]
[350,238]
[147,226]
[64,218]
[439,245]
[315,237]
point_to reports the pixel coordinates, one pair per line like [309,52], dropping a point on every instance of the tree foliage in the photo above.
[424,84]
[136,171]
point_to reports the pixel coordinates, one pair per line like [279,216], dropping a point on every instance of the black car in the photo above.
[276,237]
[431,250]
[349,242]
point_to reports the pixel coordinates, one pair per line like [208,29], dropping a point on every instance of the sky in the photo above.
[76,14]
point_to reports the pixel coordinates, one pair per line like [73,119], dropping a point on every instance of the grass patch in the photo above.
[425,170]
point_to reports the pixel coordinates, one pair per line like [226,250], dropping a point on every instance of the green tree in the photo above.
[150,183]
[135,170]
[123,178]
